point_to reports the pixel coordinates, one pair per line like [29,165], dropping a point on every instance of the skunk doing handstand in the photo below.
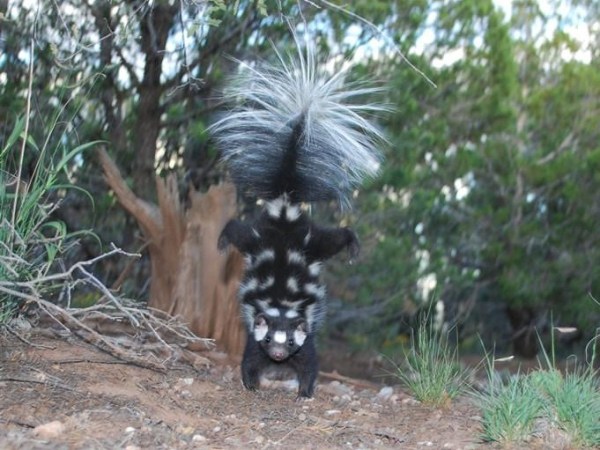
[295,137]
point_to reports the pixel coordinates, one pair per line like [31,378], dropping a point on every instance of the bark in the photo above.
[189,277]
[154,30]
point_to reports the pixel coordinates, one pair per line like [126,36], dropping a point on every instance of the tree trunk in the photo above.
[190,278]
[525,337]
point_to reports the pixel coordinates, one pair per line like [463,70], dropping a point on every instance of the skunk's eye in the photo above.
[268,339]
[291,342]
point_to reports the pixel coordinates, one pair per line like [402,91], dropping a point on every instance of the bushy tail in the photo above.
[298,131]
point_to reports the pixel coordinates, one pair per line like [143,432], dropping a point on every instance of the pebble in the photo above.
[198,438]
[129,430]
[216,429]
[49,430]
[302,417]
[385,392]
[187,381]
[332,412]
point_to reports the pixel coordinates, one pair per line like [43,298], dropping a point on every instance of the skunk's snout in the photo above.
[278,354]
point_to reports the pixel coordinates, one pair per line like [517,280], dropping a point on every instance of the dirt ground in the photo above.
[66,394]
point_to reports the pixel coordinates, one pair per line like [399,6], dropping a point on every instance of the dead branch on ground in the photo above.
[126,330]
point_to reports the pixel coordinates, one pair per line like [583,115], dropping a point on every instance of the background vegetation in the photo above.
[487,204]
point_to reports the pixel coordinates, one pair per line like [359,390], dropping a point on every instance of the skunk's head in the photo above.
[280,337]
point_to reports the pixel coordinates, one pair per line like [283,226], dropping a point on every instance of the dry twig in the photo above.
[141,336]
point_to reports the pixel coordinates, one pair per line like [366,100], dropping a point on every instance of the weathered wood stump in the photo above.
[190,277]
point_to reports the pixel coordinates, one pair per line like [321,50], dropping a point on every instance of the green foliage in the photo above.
[32,241]
[498,167]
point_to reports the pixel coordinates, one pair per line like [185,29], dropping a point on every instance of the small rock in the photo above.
[198,438]
[186,430]
[49,430]
[259,439]
[302,417]
[332,412]
[385,393]
[216,429]
[425,443]
[261,425]
[132,447]
[187,381]
[129,430]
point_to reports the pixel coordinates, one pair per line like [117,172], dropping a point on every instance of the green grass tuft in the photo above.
[433,372]
[569,402]
[509,409]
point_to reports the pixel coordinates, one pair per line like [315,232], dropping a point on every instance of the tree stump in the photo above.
[190,277]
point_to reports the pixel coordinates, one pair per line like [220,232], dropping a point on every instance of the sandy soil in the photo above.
[65,394]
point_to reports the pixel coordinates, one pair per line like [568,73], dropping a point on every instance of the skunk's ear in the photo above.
[300,333]
[301,325]
[242,236]
[260,320]
[261,328]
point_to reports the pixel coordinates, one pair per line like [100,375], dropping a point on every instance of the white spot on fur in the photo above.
[260,331]
[270,281]
[299,337]
[315,289]
[307,239]
[248,260]
[291,314]
[264,304]
[273,312]
[248,286]
[292,285]
[265,255]
[277,206]
[295,257]
[274,207]
[314,314]
[280,337]
[255,233]
[248,312]
[314,269]
[291,304]
[292,212]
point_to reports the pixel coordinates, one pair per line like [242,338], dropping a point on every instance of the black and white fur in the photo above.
[281,341]
[296,137]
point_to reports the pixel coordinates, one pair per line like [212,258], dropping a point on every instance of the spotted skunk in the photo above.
[297,136]
[284,341]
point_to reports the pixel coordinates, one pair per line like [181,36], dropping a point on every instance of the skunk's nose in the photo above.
[278,355]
